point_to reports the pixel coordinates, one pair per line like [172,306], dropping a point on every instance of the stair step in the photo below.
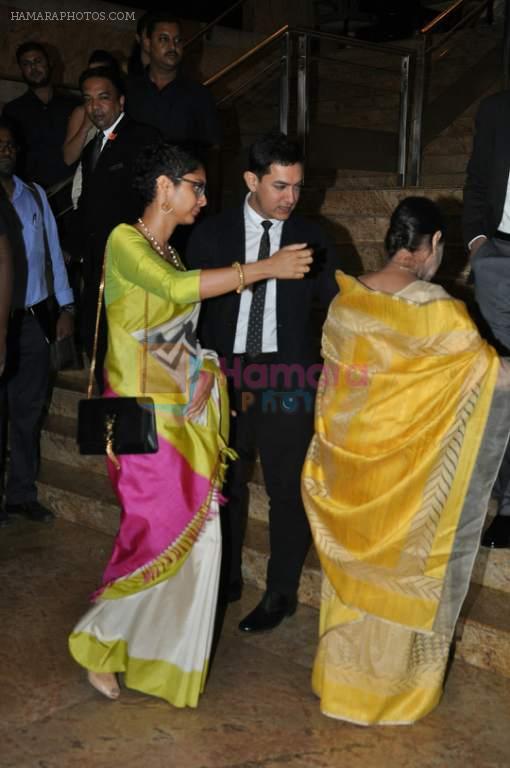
[485,620]
[58,444]
[82,497]
[382,202]
[485,630]
[64,401]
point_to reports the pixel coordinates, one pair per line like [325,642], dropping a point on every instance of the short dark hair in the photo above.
[160,18]
[413,222]
[274,147]
[107,59]
[162,159]
[108,73]
[31,45]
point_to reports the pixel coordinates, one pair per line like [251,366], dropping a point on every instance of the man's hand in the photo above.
[201,394]
[65,325]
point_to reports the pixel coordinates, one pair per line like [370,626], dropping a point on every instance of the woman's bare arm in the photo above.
[77,130]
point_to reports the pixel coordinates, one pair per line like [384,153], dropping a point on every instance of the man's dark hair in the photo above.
[107,59]
[31,45]
[160,18]
[162,159]
[104,72]
[274,147]
[412,223]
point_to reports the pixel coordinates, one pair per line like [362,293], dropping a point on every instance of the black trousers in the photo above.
[23,393]
[279,424]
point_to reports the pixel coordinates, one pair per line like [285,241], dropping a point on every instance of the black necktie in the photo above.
[96,149]
[256,317]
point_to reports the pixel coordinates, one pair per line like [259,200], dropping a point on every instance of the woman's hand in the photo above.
[201,394]
[291,262]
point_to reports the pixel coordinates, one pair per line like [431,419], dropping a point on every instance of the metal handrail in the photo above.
[423,62]
[212,23]
[248,55]
[303,35]
[414,67]
[476,11]
[437,20]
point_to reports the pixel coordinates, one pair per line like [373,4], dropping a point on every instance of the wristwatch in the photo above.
[69,308]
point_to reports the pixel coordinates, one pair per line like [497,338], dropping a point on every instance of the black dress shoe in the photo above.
[497,535]
[235,590]
[270,612]
[32,510]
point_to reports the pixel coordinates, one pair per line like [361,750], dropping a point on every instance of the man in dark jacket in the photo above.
[270,346]
[107,197]
[486,225]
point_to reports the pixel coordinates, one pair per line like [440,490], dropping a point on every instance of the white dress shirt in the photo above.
[504,224]
[107,133]
[254,231]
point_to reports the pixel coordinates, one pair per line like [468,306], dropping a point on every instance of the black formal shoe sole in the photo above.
[265,623]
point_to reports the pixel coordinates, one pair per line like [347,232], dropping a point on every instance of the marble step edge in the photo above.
[88,499]
[58,444]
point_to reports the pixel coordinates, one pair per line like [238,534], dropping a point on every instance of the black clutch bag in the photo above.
[116,425]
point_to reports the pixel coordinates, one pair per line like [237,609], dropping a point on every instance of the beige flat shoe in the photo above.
[105,683]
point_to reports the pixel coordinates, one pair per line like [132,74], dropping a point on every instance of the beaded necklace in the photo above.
[169,254]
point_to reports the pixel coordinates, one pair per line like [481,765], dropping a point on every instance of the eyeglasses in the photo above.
[8,145]
[30,63]
[199,187]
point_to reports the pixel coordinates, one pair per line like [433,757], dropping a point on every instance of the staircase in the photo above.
[78,490]
[353,203]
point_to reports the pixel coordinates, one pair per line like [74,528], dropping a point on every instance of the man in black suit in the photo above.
[107,197]
[270,348]
[486,225]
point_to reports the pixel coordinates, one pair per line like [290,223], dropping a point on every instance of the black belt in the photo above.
[502,235]
[262,357]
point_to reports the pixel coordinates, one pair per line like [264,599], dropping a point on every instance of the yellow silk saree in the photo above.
[410,431]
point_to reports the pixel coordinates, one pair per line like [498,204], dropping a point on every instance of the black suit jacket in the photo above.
[107,197]
[488,168]
[220,240]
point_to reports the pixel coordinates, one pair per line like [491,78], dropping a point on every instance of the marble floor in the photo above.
[257,712]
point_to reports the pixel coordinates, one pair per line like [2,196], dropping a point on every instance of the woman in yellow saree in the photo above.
[412,420]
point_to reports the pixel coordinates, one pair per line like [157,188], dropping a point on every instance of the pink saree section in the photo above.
[159,495]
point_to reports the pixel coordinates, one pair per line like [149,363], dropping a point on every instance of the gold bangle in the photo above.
[240,271]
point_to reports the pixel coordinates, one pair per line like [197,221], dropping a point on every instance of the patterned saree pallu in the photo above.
[410,432]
